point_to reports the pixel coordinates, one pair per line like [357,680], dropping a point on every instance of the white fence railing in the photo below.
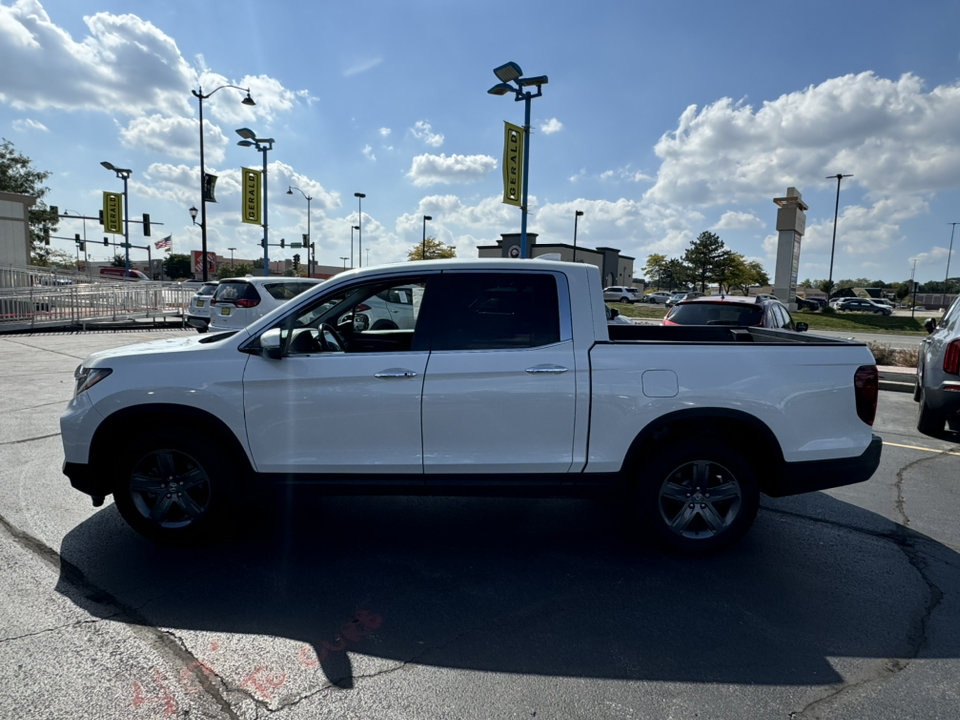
[40,297]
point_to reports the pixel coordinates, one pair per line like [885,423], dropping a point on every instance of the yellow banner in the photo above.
[113,213]
[512,164]
[251,196]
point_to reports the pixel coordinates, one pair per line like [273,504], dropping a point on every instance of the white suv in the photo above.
[619,293]
[198,314]
[237,302]
[390,309]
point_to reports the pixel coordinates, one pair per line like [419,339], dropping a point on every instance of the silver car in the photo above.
[198,314]
[937,388]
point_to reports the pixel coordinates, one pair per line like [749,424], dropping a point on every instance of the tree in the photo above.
[118,260]
[238,270]
[17,175]
[654,266]
[738,272]
[431,249]
[178,267]
[675,273]
[706,257]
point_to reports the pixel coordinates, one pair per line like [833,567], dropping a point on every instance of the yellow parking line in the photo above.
[916,447]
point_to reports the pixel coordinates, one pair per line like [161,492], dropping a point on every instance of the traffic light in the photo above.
[306,239]
[283,242]
[296,261]
[101,220]
[146,224]
[83,246]
[106,241]
[46,235]
[80,243]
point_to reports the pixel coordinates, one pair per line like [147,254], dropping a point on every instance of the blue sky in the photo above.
[660,120]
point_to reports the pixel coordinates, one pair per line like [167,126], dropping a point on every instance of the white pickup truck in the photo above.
[510,382]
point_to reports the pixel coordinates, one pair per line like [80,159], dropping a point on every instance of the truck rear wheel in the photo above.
[696,496]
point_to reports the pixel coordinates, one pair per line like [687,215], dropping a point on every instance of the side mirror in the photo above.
[930,325]
[614,313]
[270,344]
[802,326]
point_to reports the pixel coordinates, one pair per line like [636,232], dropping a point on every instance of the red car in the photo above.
[733,310]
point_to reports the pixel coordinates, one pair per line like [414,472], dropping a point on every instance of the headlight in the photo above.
[88,377]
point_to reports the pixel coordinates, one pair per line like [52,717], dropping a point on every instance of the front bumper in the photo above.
[198,321]
[83,478]
[803,477]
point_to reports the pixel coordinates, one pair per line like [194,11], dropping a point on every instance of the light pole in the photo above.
[290,190]
[124,174]
[344,258]
[423,246]
[231,257]
[576,216]
[947,274]
[263,145]
[198,94]
[360,197]
[506,74]
[913,289]
[352,228]
[833,245]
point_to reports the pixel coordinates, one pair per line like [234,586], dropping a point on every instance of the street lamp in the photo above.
[360,197]
[947,275]
[86,257]
[506,74]
[344,258]
[576,216]
[352,228]
[203,175]
[833,245]
[231,257]
[423,247]
[124,174]
[290,190]
[263,145]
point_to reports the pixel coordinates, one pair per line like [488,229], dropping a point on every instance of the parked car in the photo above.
[237,302]
[733,310]
[620,293]
[391,309]
[198,313]
[861,305]
[804,304]
[658,298]
[508,384]
[937,386]
[121,273]
[678,296]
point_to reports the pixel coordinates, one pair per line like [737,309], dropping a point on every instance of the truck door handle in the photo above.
[395,374]
[537,369]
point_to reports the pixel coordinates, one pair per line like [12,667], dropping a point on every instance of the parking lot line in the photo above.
[917,447]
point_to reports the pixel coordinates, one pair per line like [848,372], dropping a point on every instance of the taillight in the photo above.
[866,383]
[244,303]
[951,358]
[362,307]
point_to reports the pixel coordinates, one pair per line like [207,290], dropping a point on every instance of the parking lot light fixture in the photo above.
[423,246]
[198,94]
[290,190]
[833,244]
[576,216]
[352,228]
[124,174]
[263,145]
[360,196]
[507,73]
[943,297]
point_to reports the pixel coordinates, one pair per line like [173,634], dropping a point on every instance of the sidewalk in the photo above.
[897,379]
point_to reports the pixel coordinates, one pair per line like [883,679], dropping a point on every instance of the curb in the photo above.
[896,379]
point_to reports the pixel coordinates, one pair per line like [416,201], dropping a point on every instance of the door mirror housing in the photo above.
[802,326]
[930,325]
[270,344]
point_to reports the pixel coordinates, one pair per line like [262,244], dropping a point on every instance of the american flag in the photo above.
[164,244]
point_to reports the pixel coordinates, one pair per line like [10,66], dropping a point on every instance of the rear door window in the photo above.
[698,313]
[233,291]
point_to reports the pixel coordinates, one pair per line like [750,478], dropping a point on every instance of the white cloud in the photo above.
[174,136]
[432,169]
[368,151]
[26,124]
[582,173]
[423,131]
[551,126]
[734,220]
[937,256]
[891,135]
[385,131]
[362,66]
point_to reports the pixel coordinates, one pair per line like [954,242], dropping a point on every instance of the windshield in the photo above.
[702,313]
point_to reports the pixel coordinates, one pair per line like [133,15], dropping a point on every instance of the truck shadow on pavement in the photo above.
[545,587]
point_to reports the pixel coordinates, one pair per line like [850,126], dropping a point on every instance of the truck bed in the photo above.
[715,334]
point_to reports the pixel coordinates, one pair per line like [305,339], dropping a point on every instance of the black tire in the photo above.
[171,489]
[929,422]
[672,496]
[625,299]
[384,325]
[917,381]
[202,330]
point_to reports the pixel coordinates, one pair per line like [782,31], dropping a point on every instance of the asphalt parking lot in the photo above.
[840,604]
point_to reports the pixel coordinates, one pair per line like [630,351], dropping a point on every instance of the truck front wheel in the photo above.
[696,496]
[170,488]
